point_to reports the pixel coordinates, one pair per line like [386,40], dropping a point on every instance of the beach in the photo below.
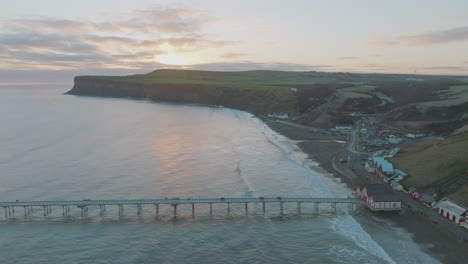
[325,149]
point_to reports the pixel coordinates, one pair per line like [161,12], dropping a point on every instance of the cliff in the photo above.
[256,101]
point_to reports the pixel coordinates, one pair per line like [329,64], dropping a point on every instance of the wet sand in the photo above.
[323,149]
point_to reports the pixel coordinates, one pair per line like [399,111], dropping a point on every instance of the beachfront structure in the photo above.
[383,169]
[392,139]
[369,165]
[396,185]
[453,211]
[427,196]
[379,197]
[343,127]
[400,175]
[415,135]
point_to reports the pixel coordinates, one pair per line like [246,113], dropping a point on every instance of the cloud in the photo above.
[436,37]
[131,40]
[379,41]
[437,68]
[348,58]
[449,19]
[250,65]
[458,34]
[233,55]
[160,19]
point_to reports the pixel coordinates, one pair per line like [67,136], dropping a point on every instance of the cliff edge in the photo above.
[243,97]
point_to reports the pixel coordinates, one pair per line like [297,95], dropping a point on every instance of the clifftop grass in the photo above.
[262,80]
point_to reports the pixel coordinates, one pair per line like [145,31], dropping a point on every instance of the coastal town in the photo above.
[367,159]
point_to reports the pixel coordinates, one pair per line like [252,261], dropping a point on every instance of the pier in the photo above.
[45,207]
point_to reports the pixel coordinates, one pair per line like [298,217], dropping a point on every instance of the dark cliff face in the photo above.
[251,100]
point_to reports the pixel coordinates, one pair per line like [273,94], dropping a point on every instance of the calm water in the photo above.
[55,146]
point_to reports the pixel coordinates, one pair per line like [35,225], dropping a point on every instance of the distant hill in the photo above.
[422,102]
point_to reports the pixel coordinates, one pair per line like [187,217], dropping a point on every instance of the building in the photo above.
[392,139]
[453,211]
[400,175]
[415,135]
[427,196]
[369,165]
[384,169]
[344,127]
[396,185]
[379,197]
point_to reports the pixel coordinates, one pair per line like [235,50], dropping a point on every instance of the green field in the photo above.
[272,80]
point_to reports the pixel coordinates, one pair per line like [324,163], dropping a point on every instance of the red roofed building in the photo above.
[379,197]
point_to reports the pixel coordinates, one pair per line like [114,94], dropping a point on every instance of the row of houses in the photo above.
[385,171]
[446,207]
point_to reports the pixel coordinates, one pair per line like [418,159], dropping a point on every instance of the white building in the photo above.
[453,211]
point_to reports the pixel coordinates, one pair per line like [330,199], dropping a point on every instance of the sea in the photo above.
[55,146]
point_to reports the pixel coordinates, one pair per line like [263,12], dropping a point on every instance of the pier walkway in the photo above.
[46,206]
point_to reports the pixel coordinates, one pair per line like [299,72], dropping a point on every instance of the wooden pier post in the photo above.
[211,209]
[157,210]
[175,210]
[193,210]
[229,209]
[263,207]
[299,208]
[246,209]
[138,209]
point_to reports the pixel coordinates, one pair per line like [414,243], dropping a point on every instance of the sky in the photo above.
[52,41]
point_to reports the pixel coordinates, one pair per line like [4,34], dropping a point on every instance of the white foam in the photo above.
[325,185]
[351,229]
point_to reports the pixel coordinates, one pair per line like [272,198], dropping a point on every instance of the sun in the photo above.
[173,59]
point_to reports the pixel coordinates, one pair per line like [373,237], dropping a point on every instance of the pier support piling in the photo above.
[299,208]
[138,209]
[175,210]
[229,209]
[193,210]
[263,207]
[246,209]
[157,210]
[316,206]
[211,209]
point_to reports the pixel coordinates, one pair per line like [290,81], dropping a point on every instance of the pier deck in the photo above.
[9,206]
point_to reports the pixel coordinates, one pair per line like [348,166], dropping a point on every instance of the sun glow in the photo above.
[173,59]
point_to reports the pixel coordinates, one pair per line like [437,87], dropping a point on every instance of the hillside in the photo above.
[434,162]
[430,103]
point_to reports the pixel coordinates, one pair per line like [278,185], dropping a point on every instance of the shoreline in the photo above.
[432,239]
